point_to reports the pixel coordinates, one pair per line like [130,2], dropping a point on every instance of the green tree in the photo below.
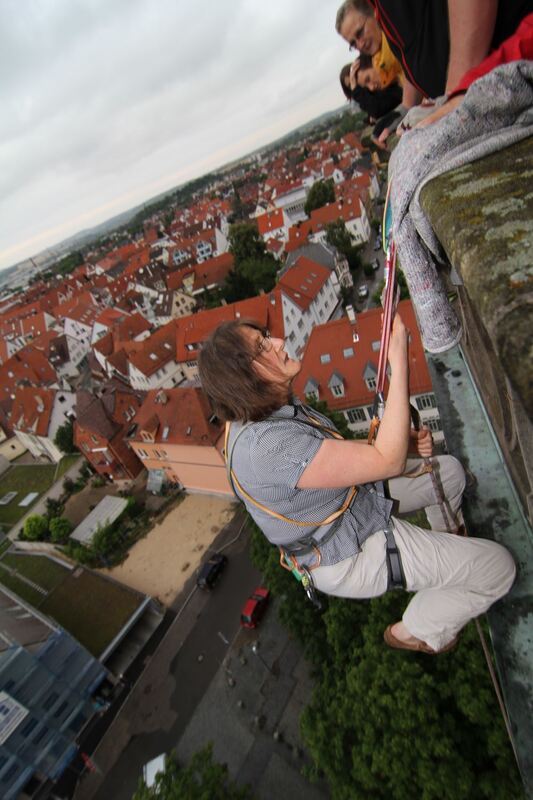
[201,779]
[60,527]
[64,438]
[348,124]
[35,528]
[386,725]
[245,242]
[254,269]
[53,507]
[237,206]
[402,283]
[336,417]
[339,237]
[321,193]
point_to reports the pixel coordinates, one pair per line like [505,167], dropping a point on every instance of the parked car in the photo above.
[254,608]
[362,292]
[375,265]
[377,244]
[211,571]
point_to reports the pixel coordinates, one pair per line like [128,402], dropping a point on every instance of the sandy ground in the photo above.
[161,563]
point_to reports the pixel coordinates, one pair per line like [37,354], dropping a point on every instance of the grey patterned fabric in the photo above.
[268,460]
[496,112]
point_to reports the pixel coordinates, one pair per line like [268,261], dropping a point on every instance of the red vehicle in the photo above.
[254,608]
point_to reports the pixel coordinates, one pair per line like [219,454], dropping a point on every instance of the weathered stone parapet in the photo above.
[482,214]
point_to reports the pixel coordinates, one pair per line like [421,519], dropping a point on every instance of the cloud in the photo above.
[108,103]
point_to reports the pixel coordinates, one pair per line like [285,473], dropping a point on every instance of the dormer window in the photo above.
[369,375]
[336,384]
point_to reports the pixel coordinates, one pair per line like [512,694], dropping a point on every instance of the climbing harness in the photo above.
[307,545]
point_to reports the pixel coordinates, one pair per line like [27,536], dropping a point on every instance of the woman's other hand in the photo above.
[421,442]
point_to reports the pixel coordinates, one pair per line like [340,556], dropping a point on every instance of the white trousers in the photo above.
[455,578]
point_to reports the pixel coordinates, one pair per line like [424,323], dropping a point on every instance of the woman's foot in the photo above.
[398,637]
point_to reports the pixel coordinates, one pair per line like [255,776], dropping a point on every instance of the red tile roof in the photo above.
[177,416]
[155,351]
[303,281]
[211,271]
[271,221]
[347,210]
[265,309]
[84,313]
[335,338]
[32,410]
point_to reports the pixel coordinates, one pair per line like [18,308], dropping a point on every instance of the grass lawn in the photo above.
[91,608]
[41,570]
[20,588]
[5,545]
[24,479]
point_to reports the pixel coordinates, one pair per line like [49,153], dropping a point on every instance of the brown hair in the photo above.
[345,73]
[232,385]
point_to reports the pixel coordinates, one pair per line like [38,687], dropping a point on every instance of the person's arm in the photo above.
[346,463]
[411,96]
[471,24]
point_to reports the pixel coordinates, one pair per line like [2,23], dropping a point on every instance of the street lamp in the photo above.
[255,651]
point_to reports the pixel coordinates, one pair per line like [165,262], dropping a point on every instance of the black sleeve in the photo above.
[376,104]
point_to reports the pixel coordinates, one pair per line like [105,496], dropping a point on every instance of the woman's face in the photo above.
[369,79]
[271,361]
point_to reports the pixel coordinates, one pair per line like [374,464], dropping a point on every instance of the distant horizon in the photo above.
[102,110]
[153,198]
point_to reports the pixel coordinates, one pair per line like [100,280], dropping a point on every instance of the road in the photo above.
[177,685]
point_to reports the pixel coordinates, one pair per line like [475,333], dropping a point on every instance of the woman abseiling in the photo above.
[294,477]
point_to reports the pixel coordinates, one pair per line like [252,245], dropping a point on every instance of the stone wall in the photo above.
[483,216]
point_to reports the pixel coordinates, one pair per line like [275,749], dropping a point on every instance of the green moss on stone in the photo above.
[482,214]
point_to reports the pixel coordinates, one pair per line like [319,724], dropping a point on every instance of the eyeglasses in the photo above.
[264,344]
[358,35]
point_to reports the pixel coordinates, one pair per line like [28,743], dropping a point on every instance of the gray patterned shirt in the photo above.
[268,459]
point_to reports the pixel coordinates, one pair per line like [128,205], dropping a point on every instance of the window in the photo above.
[376,346]
[433,424]
[325,358]
[348,352]
[142,453]
[300,324]
[50,700]
[292,337]
[424,401]
[356,415]
[338,390]
[28,727]
[59,710]
[40,735]
[371,383]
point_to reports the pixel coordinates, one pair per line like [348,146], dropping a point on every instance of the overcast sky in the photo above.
[105,103]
